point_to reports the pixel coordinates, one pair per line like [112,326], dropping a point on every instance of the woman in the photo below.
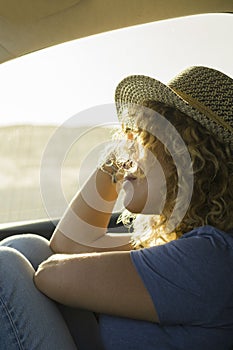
[170,286]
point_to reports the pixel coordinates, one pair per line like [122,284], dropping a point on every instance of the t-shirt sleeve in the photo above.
[186,279]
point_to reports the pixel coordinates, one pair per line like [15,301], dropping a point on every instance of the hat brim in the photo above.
[136,89]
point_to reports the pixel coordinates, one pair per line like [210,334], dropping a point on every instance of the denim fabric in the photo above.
[28,319]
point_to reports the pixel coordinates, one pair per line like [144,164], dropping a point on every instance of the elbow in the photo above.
[59,243]
[44,282]
[49,279]
[39,280]
[54,246]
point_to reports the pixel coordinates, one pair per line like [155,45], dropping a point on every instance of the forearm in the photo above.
[95,201]
[104,283]
[87,217]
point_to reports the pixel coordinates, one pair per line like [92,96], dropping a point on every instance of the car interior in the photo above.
[60,62]
[35,28]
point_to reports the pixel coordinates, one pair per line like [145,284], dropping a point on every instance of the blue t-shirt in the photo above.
[190,281]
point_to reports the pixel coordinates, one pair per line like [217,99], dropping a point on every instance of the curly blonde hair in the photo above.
[211,201]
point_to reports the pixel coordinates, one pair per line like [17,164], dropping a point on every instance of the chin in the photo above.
[133,207]
[134,201]
[133,210]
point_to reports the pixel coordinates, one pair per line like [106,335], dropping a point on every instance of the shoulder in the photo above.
[210,235]
[202,248]
[193,270]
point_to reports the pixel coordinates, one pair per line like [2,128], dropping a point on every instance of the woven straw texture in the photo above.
[202,93]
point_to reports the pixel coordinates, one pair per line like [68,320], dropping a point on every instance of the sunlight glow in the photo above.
[51,85]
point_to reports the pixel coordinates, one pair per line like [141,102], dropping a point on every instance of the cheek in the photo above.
[156,197]
[148,195]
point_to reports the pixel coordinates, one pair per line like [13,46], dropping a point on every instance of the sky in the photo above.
[53,85]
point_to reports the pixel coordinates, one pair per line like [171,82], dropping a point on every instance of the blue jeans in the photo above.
[28,319]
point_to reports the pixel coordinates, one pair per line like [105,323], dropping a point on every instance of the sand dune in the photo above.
[24,150]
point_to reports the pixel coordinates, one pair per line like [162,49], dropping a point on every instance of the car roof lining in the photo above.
[25,27]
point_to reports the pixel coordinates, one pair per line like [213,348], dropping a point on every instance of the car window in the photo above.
[60,100]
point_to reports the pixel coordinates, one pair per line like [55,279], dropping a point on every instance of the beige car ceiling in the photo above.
[30,25]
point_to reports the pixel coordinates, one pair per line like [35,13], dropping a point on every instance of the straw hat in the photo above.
[202,93]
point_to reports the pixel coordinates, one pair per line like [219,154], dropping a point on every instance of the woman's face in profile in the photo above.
[145,187]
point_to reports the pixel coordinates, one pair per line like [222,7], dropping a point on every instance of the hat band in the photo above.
[203,109]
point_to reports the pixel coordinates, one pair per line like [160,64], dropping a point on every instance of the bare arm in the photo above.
[102,282]
[84,225]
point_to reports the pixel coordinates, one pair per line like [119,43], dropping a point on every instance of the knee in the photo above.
[12,262]
[16,277]
[34,247]
[25,239]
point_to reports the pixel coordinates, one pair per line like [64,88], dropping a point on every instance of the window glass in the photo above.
[42,92]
